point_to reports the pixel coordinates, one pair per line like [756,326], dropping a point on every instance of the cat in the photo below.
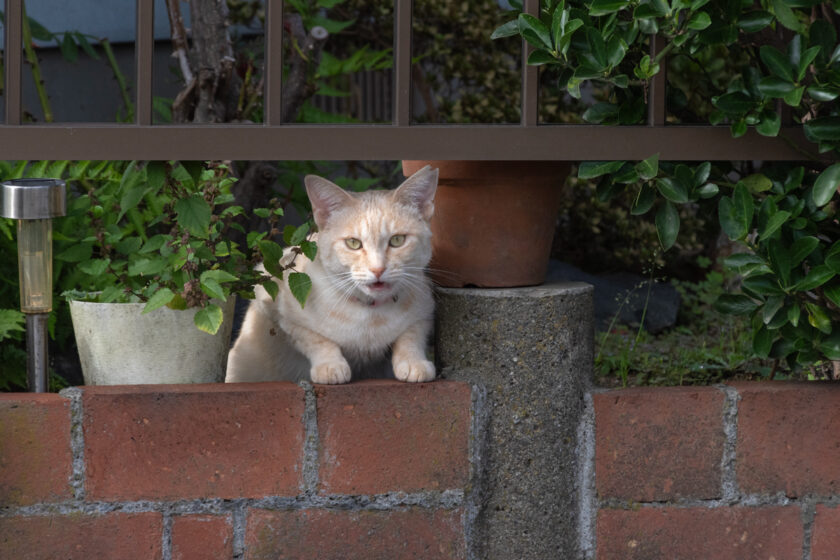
[370,295]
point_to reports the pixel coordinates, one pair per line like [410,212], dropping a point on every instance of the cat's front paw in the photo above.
[414,372]
[330,373]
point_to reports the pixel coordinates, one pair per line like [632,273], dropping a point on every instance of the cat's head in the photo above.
[375,243]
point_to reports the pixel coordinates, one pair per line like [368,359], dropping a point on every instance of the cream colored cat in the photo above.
[369,292]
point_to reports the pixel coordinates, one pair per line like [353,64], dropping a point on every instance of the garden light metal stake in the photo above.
[34,202]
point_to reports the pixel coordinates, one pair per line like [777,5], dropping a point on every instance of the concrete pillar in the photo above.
[528,354]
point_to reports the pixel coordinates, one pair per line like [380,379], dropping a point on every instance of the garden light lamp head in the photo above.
[33,203]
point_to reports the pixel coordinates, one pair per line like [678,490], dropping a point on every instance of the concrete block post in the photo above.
[528,354]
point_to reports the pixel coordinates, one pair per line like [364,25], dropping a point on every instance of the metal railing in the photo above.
[276,140]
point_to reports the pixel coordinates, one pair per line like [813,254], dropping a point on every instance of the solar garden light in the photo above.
[34,202]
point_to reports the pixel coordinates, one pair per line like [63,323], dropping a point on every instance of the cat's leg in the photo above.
[409,355]
[327,364]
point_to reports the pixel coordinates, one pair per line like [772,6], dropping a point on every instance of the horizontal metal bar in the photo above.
[378,142]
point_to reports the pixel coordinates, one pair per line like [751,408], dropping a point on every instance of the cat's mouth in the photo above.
[378,286]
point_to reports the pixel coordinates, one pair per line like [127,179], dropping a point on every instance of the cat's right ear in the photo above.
[326,197]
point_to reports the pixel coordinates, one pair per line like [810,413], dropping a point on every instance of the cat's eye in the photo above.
[396,240]
[353,243]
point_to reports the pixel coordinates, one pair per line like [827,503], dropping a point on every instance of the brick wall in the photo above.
[382,469]
[373,469]
[742,471]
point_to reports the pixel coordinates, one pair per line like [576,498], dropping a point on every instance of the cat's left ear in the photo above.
[326,197]
[419,191]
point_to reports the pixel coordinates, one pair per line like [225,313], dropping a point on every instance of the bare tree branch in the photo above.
[306,54]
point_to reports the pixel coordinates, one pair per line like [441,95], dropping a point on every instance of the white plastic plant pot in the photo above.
[118,345]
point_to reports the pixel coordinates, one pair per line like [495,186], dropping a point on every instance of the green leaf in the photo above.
[146,267]
[699,21]
[832,293]
[271,253]
[597,46]
[805,60]
[667,224]
[815,278]
[772,86]
[262,212]
[830,346]
[76,253]
[730,223]
[744,205]
[794,98]
[300,234]
[786,16]
[213,289]
[271,288]
[209,319]
[309,249]
[11,320]
[826,185]
[220,276]
[818,318]
[774,223]
[604,7]
[644,201]
[194,215]
[762,285]
[649,168]
[153,244]
[832,258]
[300,285]
[755,21]
[159,299]
[535,32]
[777,62]
[129,245]
[793,313]
[770,123]
[735,102]
[539,57]
[801,248]
[771,307]
[762,342]
[68,48]
[593,169]
[823,128]
[735,304]
[821,93]
[506,30]
[708,190]
[672,189]
[757,182]
[95,267]
[601,112]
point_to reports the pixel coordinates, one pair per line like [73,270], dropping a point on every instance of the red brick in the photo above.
[658,444]
[127,536]
[382,436]
[202,537]
[36,462]
[737,533]
[355,535]
[787,438]
[825,537]
[193,441]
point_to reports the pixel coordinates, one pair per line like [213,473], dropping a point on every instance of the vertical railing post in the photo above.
[530,75]
[13,55]
[144,46]
[656,93]
[274,63]
[402,62]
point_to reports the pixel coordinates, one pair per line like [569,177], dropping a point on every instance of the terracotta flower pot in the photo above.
[494,221]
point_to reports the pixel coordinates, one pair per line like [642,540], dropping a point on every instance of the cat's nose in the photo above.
[377,271]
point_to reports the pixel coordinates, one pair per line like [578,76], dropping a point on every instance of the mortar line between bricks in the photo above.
[166,537]
[445,500]
[747,500]
[77,441]
[729,458]
[479,424]
[240,527]
[311,442]
[809,514]
[587,497]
